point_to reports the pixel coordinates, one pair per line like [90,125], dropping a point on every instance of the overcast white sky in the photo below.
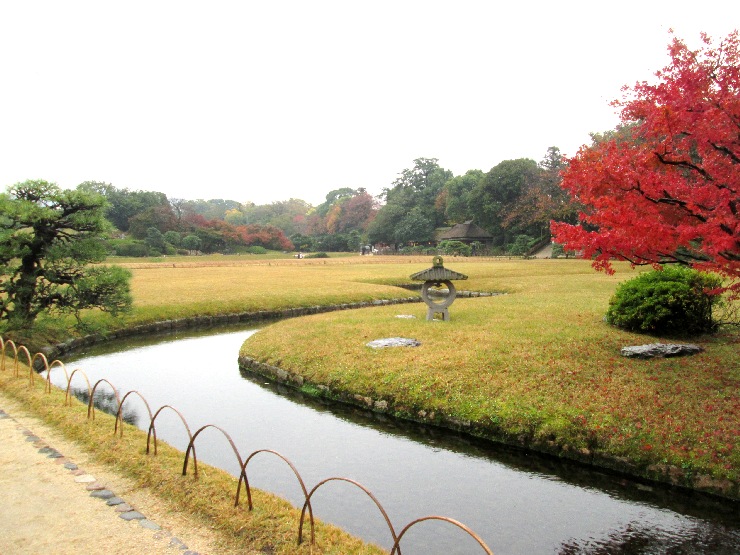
[264,101]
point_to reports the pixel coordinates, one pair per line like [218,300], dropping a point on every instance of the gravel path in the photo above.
[53,499]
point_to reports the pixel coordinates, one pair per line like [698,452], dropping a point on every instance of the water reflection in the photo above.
[107,402]
[518,502]
[640,537]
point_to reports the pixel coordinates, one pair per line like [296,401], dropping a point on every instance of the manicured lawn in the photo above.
[537,365]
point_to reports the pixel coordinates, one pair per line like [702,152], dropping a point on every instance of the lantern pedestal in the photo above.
[436,277]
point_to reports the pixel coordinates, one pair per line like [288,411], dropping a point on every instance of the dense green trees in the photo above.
[48,239]
[412,212]
[496,195]
[457,195]
[124,204]
[542,200]
[514,201]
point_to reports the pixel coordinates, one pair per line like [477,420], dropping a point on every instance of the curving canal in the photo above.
[517,502]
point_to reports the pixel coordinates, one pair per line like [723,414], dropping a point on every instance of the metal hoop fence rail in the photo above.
[16,352]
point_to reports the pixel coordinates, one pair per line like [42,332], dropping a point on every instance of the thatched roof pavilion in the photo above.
[466,232]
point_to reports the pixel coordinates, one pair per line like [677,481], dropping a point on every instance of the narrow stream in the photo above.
[517,502]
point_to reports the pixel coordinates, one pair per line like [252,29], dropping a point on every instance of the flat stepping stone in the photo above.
[102,494]
[33,438]
[115,500]
[176,542]
[46,450]
[132,515]
[85,479]
[124,508]
[70,466]
[95,486]
[54,455]
[393,342]
[162,535]
[660,350]
[146,523]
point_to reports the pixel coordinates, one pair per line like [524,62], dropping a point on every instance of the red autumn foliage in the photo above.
[267,236]
[665,188]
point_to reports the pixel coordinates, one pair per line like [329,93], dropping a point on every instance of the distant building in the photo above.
[466,232]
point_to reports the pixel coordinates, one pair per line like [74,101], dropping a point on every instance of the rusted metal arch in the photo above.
[191,446]
[32,374]
[363,488]
[16,358]
[119,412]
[67,397]
[2,354]
[90,406]
[49,368]
[153,430]
[23,349]
[397,547]
[246,481]
[5,344]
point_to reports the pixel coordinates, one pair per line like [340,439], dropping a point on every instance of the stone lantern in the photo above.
[434,278]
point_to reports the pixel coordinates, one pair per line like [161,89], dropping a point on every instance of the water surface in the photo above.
[518,502]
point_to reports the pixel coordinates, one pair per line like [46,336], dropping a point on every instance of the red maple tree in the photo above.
[665,187]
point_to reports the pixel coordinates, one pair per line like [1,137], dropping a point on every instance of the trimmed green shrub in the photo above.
[521,245]
[672,301]
[455,248]
[128,247]
[318,255]
[256,249]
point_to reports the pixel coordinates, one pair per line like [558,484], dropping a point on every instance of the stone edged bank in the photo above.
[661,473]
[205,322]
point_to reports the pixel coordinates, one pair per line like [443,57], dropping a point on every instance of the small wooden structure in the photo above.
[434,278]
[466,232]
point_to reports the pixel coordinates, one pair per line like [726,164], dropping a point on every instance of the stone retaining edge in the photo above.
[665,474]
[202,322]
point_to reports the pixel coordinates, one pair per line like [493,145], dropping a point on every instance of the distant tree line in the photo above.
[514,202]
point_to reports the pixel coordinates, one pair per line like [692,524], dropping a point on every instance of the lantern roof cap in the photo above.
[437,272]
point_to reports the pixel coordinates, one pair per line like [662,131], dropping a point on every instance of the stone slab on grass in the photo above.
[393,342]
[660,350]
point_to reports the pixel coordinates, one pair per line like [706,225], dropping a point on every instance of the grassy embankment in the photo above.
[271,527]
[537,366]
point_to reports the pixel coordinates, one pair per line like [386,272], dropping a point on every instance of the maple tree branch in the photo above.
[668,199]
[684,164]
[725,150]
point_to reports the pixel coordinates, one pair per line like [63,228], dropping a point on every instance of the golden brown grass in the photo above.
[271,527]
[188,289]
[538,363]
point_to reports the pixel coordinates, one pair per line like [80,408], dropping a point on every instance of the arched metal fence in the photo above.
[14,352]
